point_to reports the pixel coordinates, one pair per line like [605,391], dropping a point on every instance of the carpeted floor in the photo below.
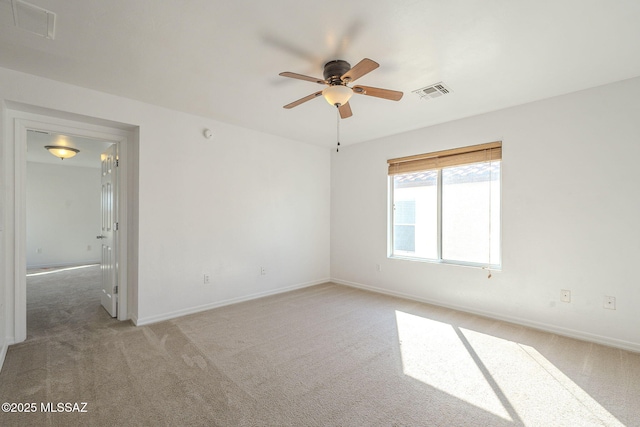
[327,355]
[62,299]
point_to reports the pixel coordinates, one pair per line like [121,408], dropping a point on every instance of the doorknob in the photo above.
[100,237]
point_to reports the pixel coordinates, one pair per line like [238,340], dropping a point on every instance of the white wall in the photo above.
[63,215]
[245,199]
[225,206]
[5,239]
[570,214]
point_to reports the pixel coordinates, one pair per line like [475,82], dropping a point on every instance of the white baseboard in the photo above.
[179,313]
[134,319]
[558,330]
[5,348]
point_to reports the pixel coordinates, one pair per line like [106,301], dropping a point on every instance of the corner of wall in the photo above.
[133,152]
[3,354]
[3,237]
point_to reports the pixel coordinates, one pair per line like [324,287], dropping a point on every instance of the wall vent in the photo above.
[433,91]
[34,19]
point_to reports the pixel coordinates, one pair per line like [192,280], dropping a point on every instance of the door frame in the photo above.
[18,124]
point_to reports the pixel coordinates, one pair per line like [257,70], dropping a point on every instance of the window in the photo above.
[446,206]
[404,226]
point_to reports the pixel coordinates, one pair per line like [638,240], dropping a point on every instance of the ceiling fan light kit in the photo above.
[337,95]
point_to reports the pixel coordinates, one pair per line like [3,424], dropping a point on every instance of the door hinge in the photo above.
[116,227]
[115,289]
[117,162]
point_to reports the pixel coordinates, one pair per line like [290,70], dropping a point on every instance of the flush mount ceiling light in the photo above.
[61,151]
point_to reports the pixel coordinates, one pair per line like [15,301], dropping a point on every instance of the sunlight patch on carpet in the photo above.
[432,353]
[60,270]
[505,378]
[580,397]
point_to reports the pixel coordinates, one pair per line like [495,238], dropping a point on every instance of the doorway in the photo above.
[20,123]
[67,206]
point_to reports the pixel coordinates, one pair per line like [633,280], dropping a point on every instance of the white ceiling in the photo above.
[221,58]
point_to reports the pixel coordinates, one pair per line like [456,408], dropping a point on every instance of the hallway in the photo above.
[63,300]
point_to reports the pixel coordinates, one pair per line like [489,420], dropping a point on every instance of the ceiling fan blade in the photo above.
[291,48]
[303,77]
[301,100]
[345,111]
[347,38]
[360,69]
[392,95]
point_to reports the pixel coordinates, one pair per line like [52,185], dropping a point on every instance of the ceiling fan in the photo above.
[337,75]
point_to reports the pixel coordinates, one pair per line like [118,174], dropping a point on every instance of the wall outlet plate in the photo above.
[565,295]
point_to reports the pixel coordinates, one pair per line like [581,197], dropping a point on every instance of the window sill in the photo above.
[447,262]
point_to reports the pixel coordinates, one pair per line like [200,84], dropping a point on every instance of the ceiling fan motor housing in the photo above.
[333,70]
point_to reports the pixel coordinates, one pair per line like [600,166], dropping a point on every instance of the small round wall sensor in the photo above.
[207,133]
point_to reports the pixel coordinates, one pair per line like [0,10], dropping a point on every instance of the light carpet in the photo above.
[327,355]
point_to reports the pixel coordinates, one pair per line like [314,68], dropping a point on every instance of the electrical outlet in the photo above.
[378,267]
[565,295]
[207,278]
[610,303]
[263,271]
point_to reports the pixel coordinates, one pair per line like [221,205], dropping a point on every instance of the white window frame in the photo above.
[440,259]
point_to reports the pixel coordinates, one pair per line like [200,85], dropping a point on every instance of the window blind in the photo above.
[441,159]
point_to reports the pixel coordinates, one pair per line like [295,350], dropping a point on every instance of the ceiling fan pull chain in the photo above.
[338,127]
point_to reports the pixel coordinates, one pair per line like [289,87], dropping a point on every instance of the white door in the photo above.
[109,208]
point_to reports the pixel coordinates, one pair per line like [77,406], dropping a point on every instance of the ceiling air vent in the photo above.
[34,19]
[433,91]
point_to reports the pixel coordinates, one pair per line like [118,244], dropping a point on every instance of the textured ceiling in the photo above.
[221,59]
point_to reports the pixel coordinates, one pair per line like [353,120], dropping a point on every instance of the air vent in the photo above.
[34,19]
[433,91]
